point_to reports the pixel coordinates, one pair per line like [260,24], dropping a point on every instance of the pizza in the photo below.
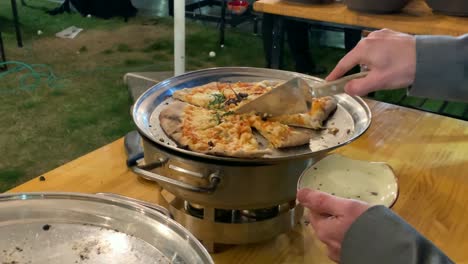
[319,112]
[202,119]
[209,131]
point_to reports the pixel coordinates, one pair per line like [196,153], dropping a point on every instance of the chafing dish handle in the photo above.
[155,207]
[132,142]
[213,178]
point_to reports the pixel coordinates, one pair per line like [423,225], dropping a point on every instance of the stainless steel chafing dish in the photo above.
[225,182]
[205,185]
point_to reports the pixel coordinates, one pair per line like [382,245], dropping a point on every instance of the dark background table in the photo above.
[415,18]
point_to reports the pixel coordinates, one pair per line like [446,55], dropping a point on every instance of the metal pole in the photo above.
[19,38]
[179,37]
[222,25]
[2,54]
[277,42]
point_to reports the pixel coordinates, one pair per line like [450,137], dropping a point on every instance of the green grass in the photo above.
[107,51]
[390,96]
[162,44]
[10,177]
[122,47]
[88,105]
[34,18]
[133,62]
[83,49]
[454,109]
[432,105]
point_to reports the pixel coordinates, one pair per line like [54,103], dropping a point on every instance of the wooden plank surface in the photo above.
[429,154]
[415,18]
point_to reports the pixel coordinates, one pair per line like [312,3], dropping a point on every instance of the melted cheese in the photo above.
[275,132]
[203,95]
[203,132]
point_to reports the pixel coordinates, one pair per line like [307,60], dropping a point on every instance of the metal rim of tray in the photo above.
[154,96]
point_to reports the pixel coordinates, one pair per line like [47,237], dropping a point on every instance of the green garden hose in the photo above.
[34,72]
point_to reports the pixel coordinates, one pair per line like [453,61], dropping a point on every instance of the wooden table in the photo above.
[429,154]
[415,18]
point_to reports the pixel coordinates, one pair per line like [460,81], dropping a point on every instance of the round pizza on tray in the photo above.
[202,119]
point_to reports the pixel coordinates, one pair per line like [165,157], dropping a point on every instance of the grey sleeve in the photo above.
[441,68]
[380,236]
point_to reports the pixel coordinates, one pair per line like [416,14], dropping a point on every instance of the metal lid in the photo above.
[82,228]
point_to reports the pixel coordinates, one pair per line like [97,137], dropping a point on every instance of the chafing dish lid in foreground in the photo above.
[80,228]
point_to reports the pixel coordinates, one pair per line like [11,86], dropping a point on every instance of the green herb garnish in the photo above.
[217,102]
[227,113]
[218,118]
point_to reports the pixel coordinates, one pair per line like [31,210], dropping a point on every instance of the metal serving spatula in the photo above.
[286,98]
[292,97]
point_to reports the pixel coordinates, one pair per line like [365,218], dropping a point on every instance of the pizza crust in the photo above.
[171,119]
[240,153]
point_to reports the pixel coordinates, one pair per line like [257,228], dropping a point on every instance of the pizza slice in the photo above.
[223,96]
[319,112]
[240,93]
[201,95]
[234,137]
[280,135]
[210,131]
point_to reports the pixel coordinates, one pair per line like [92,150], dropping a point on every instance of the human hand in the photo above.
[330,217]
[390,58]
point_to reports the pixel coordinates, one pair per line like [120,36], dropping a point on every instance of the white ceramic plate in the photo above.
[371,182]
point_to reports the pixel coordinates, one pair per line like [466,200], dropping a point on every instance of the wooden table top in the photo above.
[429,154]
[415,18]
